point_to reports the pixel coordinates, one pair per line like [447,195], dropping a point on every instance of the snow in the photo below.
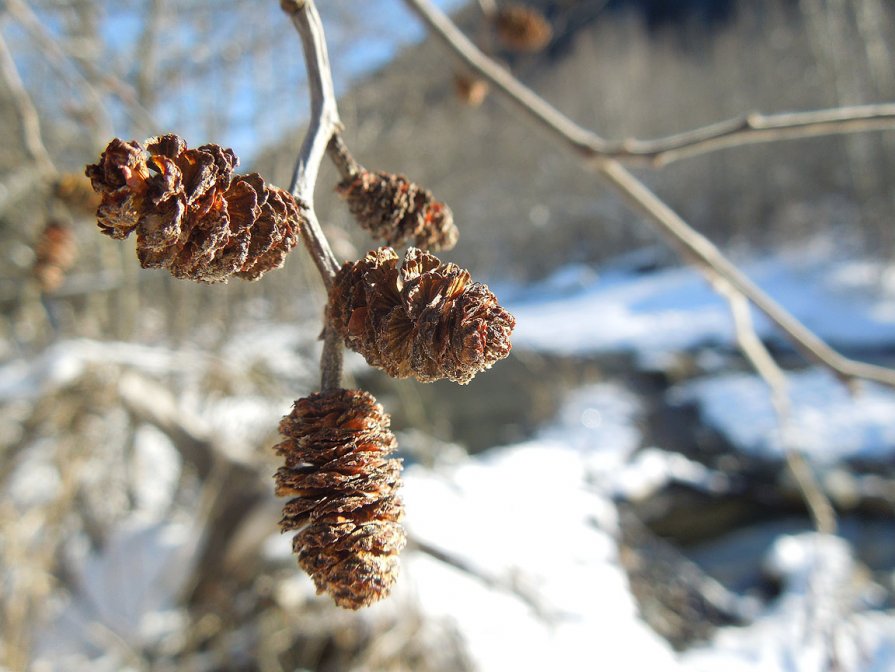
[524,565]
[64,362]
[517,548]
[157,469]
[819,622]
[826,422]
[849,303]
[540,539]
[534,525]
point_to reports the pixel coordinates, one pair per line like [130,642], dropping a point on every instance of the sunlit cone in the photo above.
[191,214]
[344,507]
[54,254]
[421,319]
[522,29]
[395,210]
[470,90]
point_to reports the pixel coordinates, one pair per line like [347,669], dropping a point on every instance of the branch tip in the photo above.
[293,6]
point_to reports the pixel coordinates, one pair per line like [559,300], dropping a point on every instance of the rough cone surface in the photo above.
[344,496]
[192,215]
[395,210]
[421,319]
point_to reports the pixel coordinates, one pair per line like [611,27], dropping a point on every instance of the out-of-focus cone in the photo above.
[470,90]
[522,29]
[73,189]
[54,253]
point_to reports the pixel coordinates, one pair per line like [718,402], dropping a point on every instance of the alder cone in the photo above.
[344,494]
[191,214]
[54,254]
[522,29]
[75,191]
[422,319]
[395,210]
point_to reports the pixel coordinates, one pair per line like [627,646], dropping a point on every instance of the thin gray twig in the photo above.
[323,125]
[748,129]
[821,510]
[28,116]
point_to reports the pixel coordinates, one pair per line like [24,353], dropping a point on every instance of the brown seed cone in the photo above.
[54,254]
[395,210]
[522,29]
[344,489]
[75,191]
[192,215]
[424,319]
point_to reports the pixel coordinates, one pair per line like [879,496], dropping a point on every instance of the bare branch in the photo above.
[822,513]
[690,244]
[697,249]
[27,112]
[749,129]
[489,8]
[64,63]
[323,125]
[341,157]
[585,143]
[757,128]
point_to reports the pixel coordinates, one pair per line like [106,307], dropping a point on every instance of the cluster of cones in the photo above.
[191,213]
[413,318]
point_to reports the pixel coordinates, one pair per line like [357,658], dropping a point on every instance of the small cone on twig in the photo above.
[470,90]
[421,319]
[74,190]
[54,254]
[395,210]
[192,215]
[522,29]
[344,487]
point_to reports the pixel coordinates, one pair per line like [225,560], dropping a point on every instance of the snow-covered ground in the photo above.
[850,303]
[517,550]
[826,421]
[534,528]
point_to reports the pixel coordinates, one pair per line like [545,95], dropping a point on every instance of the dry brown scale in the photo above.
[54,254]
[395,210]
[522,29]
[191,214]
[344,494]
[421,319]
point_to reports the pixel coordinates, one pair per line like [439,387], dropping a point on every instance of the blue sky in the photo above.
[246,104]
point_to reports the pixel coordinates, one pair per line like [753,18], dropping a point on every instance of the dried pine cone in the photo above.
[192,215]
[344,490]
[521,28]
[423,319]
[394,210]
[54,254]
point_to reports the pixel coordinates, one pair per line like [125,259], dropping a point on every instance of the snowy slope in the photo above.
[849,303]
